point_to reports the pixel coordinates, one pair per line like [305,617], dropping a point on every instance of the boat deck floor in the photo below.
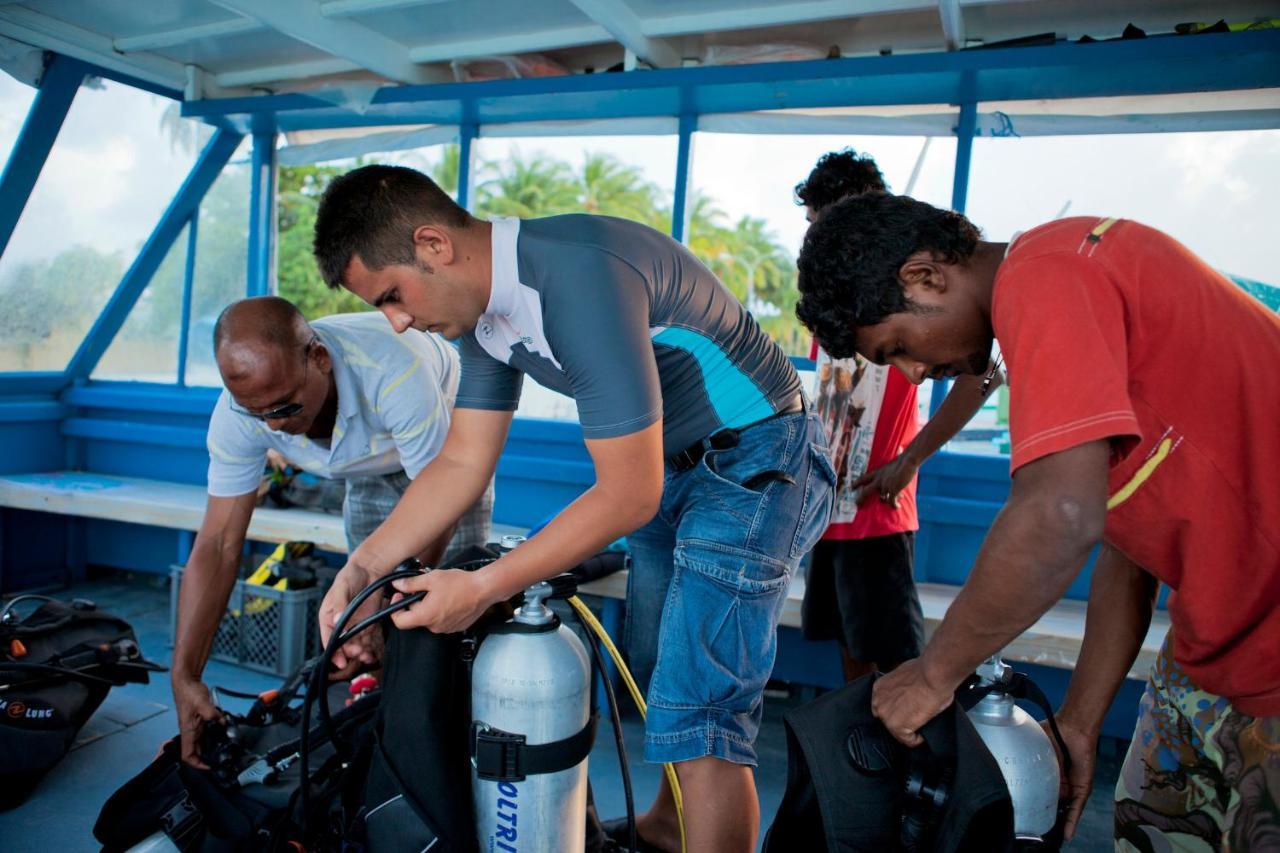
[124,734]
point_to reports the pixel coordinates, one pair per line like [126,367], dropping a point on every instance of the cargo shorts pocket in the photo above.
[719,634]
[819,495]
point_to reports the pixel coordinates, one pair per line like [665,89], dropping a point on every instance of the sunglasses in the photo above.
[288,410]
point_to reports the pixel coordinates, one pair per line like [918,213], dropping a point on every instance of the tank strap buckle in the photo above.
[500,756]
[496,754]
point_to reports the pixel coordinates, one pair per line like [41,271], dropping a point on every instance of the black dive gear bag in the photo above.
[56,667]
[249,796]
[852,787]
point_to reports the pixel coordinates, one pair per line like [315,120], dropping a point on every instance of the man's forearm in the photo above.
[207,581]
[962,402]
[581,530]
[1026,563]
[434,552]
[1121,600]
[424,515]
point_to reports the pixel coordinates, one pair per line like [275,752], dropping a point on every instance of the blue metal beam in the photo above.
[466,163]
[58,89]
[959,193]
[1159,65]
[680,210]
[129,80]
[31,383]
[188,279]
[262,205]
[197,183]
[964,155]
[135,397]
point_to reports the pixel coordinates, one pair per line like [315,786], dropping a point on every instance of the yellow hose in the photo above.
[590,619]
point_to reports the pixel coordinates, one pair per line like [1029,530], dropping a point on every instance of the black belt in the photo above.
[726,438]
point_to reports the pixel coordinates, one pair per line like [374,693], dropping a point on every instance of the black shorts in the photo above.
[861,592]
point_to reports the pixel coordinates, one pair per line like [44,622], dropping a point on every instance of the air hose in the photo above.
[590,619]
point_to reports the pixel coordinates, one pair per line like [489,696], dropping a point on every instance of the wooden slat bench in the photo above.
[178,506]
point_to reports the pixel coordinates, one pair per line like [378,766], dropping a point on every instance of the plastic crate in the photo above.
[270,630]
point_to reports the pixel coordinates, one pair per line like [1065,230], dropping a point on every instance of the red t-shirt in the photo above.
[896,426]
[1112,330]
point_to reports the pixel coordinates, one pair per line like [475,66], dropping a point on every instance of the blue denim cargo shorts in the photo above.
[708,580]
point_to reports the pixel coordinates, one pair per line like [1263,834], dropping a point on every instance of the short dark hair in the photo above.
[372,212]
[851,256]
[839,174]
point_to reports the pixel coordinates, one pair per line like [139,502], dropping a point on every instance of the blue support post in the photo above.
[262,206]
[964,155]
[938,393]
[207,168]
[186,539]
[959,195]
[467,134]
[58,89]
[188,277]
[680,210]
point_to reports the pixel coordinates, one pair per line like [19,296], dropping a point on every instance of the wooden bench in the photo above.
[1054,640]
[177,506]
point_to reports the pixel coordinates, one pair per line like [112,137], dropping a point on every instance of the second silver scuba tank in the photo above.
[1023,751]
[530,689]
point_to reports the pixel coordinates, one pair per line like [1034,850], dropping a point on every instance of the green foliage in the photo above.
[527,188]
[65,291]
[298,277]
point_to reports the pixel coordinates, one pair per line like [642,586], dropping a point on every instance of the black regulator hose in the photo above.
[51,671]
[342,635]
[616,718]
[319,671]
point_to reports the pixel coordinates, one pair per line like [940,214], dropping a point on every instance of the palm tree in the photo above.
[537,186]
[608,186]
[445,173]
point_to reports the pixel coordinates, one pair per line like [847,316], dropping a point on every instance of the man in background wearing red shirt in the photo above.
[1144,412]
[859,589]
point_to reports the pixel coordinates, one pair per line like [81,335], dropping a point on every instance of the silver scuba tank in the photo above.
[531,678]
[1023,751]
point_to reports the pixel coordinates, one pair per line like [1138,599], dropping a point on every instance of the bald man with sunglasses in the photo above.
[344,397]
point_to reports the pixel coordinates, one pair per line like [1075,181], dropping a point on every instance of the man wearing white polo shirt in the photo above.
[344,397]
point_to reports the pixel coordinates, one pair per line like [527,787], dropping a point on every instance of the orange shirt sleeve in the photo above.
[1060,321]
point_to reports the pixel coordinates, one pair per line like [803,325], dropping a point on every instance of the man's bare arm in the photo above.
[1121,599]
[628,488]
[207,580]
[1039,542]
[1036,547]
[961,404]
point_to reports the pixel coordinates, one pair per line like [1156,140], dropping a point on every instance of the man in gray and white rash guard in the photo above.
[694,420]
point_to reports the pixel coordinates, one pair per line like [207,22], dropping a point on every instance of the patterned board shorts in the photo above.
[1199,775]
[371,499]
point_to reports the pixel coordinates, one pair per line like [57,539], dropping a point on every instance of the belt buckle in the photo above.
[687,458]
